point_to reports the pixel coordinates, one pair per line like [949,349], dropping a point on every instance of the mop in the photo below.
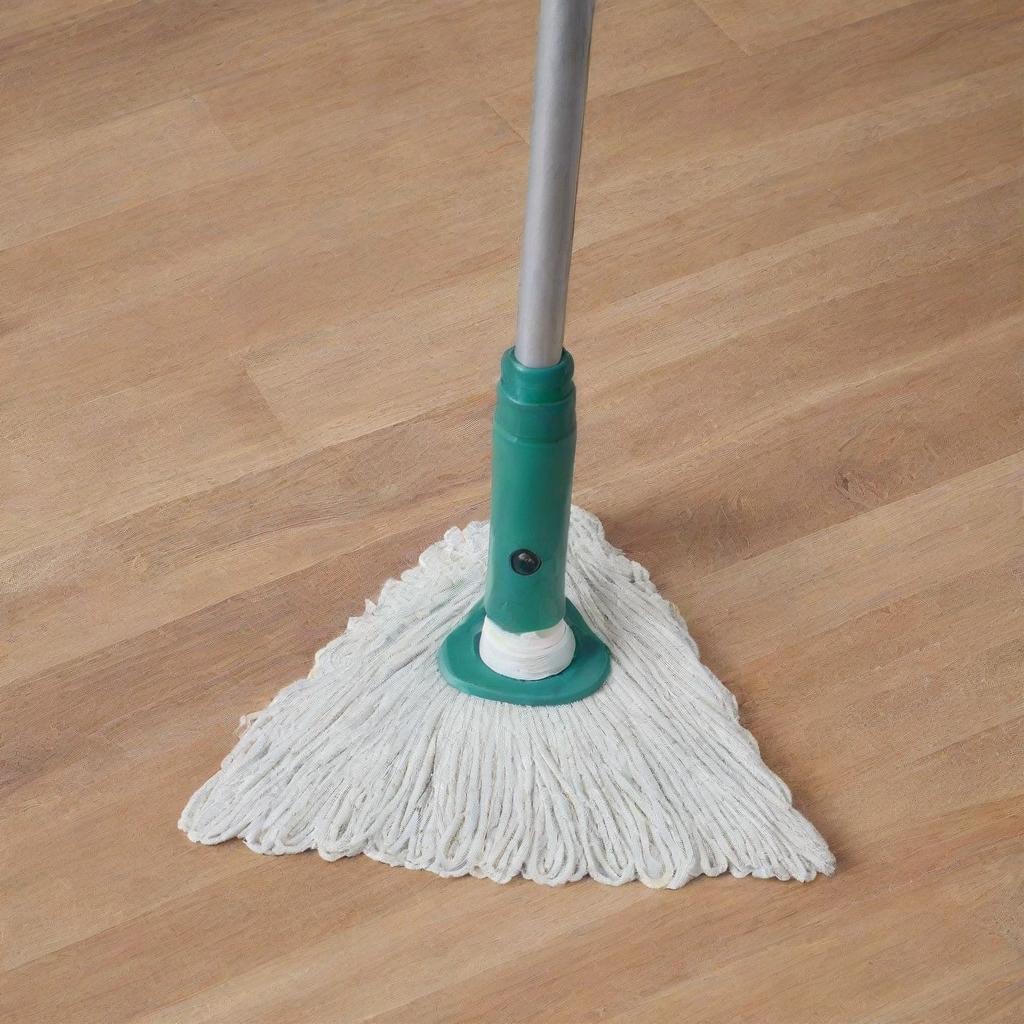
[522,701]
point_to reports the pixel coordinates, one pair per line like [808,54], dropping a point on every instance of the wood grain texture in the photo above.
[257,261]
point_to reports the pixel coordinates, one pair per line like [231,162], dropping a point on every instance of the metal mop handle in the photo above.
[526,644]
[556,136]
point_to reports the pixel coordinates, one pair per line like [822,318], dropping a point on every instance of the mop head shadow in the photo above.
[651,778]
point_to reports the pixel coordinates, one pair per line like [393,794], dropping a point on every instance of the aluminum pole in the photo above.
[556,136]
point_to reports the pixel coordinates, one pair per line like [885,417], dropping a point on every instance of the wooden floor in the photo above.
[257,263]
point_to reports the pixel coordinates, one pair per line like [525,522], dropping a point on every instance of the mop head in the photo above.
[651,778]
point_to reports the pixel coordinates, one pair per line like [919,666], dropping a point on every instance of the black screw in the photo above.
[524,562]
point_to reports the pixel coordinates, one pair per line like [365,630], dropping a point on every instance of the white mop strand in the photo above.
[651,778]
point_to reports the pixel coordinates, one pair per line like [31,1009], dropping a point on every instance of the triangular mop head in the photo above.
[651,778]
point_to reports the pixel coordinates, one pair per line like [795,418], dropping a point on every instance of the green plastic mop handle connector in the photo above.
[531,492]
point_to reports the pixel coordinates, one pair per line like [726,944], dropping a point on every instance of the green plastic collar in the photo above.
[531,490]
[461,666]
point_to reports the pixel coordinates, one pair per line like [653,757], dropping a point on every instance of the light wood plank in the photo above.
[758,25]
[47,187]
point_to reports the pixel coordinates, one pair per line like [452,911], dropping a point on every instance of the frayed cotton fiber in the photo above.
[651,778]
